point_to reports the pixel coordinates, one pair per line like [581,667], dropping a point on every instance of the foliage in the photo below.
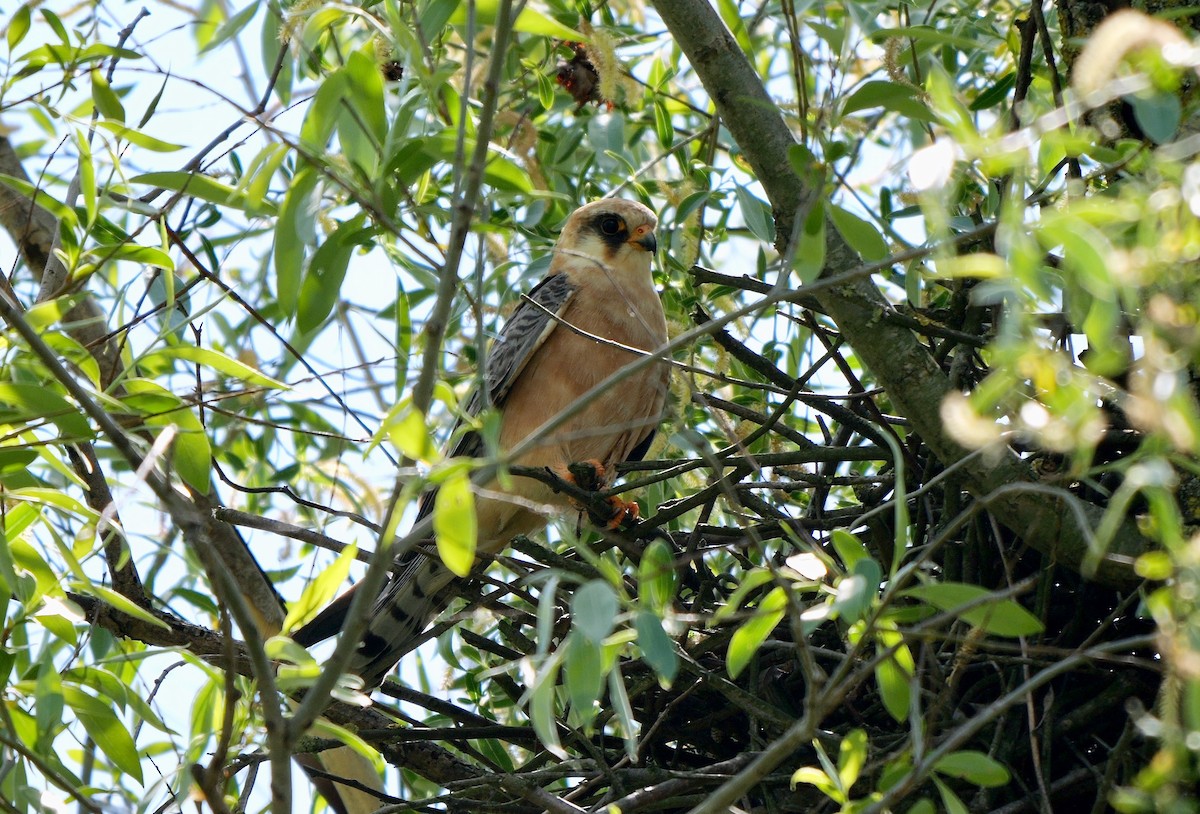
[918,531]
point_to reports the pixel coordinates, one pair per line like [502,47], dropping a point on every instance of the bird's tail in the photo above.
[405,607]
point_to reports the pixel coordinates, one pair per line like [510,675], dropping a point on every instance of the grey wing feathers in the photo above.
[521,336]
[524,333]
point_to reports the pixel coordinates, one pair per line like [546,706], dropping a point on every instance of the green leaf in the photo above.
[862,235]
[107,103]
[995,94]
[657,648]
[1003,617]
[87,178]
[403,320]
[898,98]
[435,15]
[756,214]
[662,125]
[754,631]
[583,675]
[594,610]
[121,603]
[454,522]
[324,728]
[36,402]
[320,591]
[893,688]
[203,187]
[49,704]
[543,713]
[255,183]
[730,12]
[294,232]
[18,26]
[231,27]
[63,213]
[810,253]
[218,361]
[815,777]
[620,701]
[974,767]
[327,271]
[362,117]
[930,35]
[323,112]
[406,428]
[849,548]
[893,673]
[656,577]
[529,21]
[750,581]
[810,169]
[878,93]
[977,266]
[501,170]
[132,253]
[950,800]
[1158,115]
[110,735]
[852,756]
[545,90]
[191,453]
[138,138]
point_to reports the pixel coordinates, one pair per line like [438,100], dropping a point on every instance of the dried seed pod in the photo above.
[579,76]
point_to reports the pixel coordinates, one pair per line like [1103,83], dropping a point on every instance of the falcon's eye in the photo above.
[611,225]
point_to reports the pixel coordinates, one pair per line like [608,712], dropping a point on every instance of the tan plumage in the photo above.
[597,300]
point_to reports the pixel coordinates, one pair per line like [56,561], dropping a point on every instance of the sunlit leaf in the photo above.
[656,576]
[32,402]
[1003,617]
[109,734]
[454,523]
[138,138]
[320,591]
[974,767]
[852,756]
[191,453]
[754,631]
[862,236]
[106,100]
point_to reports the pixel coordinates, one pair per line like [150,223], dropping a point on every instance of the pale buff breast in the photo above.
[568,364]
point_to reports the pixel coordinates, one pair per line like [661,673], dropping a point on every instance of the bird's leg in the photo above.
[591,475]
[588,474]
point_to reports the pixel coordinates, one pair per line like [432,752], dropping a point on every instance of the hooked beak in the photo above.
[645,239]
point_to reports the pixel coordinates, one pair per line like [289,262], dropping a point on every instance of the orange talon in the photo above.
[622,511]
[591,476]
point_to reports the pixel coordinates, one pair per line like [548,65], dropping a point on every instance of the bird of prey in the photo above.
[594,312]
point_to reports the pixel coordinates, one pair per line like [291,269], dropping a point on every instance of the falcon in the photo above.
[594,312]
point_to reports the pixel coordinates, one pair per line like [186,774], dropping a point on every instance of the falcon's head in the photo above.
[615,232]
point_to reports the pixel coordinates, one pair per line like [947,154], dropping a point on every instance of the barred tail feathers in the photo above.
[399,617]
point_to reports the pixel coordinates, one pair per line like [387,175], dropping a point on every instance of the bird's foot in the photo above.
[623,511]
[591,476]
